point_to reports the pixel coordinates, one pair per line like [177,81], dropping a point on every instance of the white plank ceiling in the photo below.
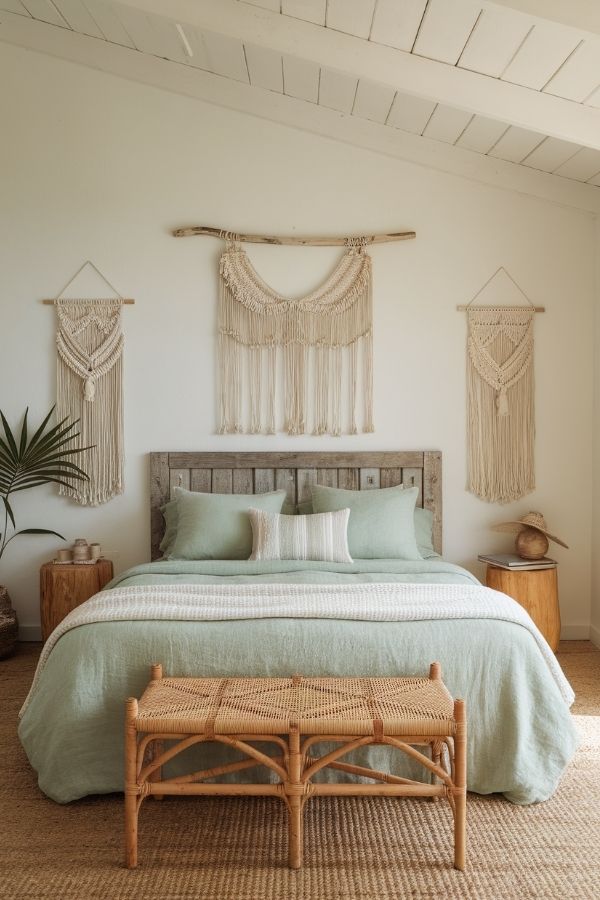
[502,44]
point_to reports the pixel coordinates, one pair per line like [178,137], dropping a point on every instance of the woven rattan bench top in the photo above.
[359,706]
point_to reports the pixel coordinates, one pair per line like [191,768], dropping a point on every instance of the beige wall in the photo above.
[94,166]
[595,604]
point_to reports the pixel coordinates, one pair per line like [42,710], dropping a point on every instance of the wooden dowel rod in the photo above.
[304,241]
[378,790]
[223,789]
[127,302]
[537,309]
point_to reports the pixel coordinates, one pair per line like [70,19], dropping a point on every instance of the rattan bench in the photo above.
[295,714]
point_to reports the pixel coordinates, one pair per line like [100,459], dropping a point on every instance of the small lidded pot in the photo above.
[81,550]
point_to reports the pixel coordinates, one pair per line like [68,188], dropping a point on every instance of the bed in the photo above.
[243,617]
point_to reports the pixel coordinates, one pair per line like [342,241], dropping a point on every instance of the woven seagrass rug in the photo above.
[235,849]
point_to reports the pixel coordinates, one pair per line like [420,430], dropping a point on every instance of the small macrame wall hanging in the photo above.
[500,399]
[89,387]
[321,344]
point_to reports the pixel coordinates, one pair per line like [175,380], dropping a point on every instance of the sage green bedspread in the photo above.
[521,735]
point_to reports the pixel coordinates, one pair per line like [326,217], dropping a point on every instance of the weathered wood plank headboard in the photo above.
[255,473]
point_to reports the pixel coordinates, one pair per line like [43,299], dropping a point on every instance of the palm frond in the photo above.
[59,447]
[23,438]
[7,469]
[47,476]
[58,434]
[41,482]
[11,445]
[7,506]
[38,434]
[40,531]
[49,464]
[5,455]
[5,450]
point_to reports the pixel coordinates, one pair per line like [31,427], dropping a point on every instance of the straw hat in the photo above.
[531,520]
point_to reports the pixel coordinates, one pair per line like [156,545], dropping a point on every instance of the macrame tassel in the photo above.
[500,400]
[89,390]
[89,387]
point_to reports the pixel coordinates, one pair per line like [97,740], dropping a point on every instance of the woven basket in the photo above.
[9,626]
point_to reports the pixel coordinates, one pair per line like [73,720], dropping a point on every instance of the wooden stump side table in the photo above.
[62,588]
[536,590]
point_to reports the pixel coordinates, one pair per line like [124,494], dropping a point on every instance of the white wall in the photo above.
[595,600]
[94,166]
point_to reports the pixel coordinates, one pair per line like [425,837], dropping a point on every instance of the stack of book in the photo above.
[512,561]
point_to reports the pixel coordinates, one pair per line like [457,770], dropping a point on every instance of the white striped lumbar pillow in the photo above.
[322,537]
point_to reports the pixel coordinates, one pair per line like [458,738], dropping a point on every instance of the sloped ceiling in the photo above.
[484,88]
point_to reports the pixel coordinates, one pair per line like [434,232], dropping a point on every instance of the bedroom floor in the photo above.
[235,849]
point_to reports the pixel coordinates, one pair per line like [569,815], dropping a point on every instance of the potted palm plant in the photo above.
[29,461]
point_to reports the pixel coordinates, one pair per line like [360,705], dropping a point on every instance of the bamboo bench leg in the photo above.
[156,673]
[435,673]
[131,791]
[295,826]
[460,782]
[295,791]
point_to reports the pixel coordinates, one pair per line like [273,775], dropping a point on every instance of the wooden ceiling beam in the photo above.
[581,15]
[288,111]
[405,72]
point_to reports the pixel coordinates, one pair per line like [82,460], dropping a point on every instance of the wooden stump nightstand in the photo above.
[62,588]
[536,590]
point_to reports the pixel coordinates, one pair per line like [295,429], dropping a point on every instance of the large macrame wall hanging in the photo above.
[321,345]
[89,387]
[500,400]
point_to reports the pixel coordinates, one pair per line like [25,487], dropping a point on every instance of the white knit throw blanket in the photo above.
[89,387]
[500,403]
[321,344]
[377,602]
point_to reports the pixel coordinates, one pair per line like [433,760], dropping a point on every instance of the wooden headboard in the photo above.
[255,473]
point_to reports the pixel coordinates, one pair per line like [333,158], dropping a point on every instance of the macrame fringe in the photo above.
[89,387]
[500,401]
[319,337]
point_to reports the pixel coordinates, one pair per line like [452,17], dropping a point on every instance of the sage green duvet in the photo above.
[521,735]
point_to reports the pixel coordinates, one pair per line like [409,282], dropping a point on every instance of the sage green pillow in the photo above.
[169,511]
[424,532]
[217,526]
[381,524]
[423,527]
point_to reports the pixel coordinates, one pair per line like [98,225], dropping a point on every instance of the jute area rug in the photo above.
[235,849]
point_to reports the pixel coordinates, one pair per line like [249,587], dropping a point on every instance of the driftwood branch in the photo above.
[304,241]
